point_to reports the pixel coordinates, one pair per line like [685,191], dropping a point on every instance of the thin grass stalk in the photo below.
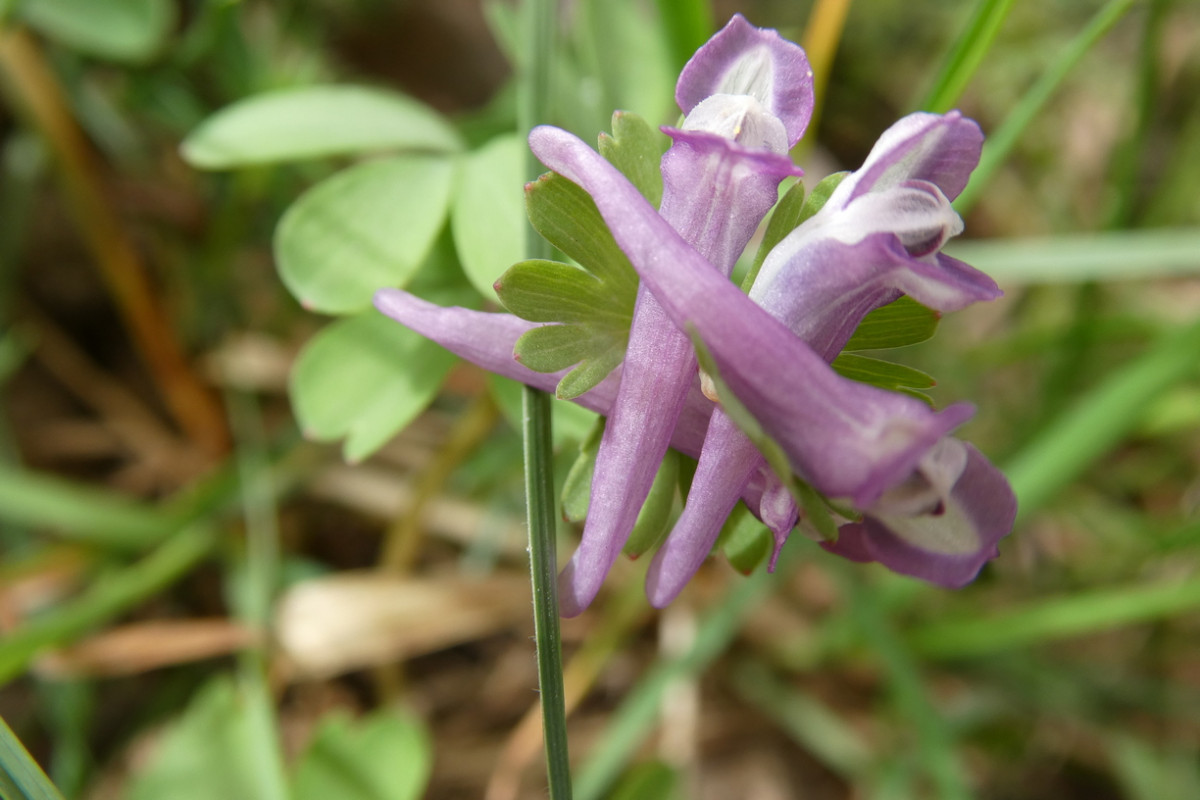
[968,53]
[534,101]
[1001,143]
[20,776]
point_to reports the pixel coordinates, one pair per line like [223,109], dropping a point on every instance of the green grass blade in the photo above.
[967,54]
[105,599]
[934,740]
[77,512]
[535,91]
[1070,258]
[688,24]
[1001,143]
[1101,419]
[20,776]
[1078,614]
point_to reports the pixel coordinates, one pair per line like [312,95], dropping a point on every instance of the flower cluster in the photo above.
[910,496]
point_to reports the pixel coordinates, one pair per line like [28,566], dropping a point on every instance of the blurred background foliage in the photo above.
[197,602]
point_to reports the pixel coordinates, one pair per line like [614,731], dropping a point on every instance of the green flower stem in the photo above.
[540,22]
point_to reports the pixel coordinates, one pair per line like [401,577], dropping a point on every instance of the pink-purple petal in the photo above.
[940,148]
[743,59]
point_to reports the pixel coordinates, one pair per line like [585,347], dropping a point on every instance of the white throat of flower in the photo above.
[740,118]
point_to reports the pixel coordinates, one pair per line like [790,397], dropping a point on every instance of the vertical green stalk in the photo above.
[1001,142]
[967,55]
[534,100]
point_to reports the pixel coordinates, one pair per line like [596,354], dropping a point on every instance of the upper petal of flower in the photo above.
[942,149]
[743,59]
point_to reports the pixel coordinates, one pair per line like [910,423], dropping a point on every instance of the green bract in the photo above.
[593,302]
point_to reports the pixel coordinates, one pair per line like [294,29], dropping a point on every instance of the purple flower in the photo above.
[850,441]
[747,95]
[927,505]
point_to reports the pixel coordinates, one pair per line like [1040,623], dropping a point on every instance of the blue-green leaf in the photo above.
[488,212]
[365,228]
[364,378]
[314,122]
[384,756]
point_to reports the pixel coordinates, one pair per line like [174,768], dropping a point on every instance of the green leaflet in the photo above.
[593,301]
[394,373]
[368,226]
[898,324]
[118,30]
[386,755]
[550,291]
[316,122]
[487,214]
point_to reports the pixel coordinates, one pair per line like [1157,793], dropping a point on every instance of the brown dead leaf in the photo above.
[143,646]
[348,621]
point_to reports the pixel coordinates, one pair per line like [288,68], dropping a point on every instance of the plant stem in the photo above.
[540,24]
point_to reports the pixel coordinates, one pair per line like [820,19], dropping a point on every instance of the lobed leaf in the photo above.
[567,217]
[590,371]
[550,348]
[550,291]
[636,150]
